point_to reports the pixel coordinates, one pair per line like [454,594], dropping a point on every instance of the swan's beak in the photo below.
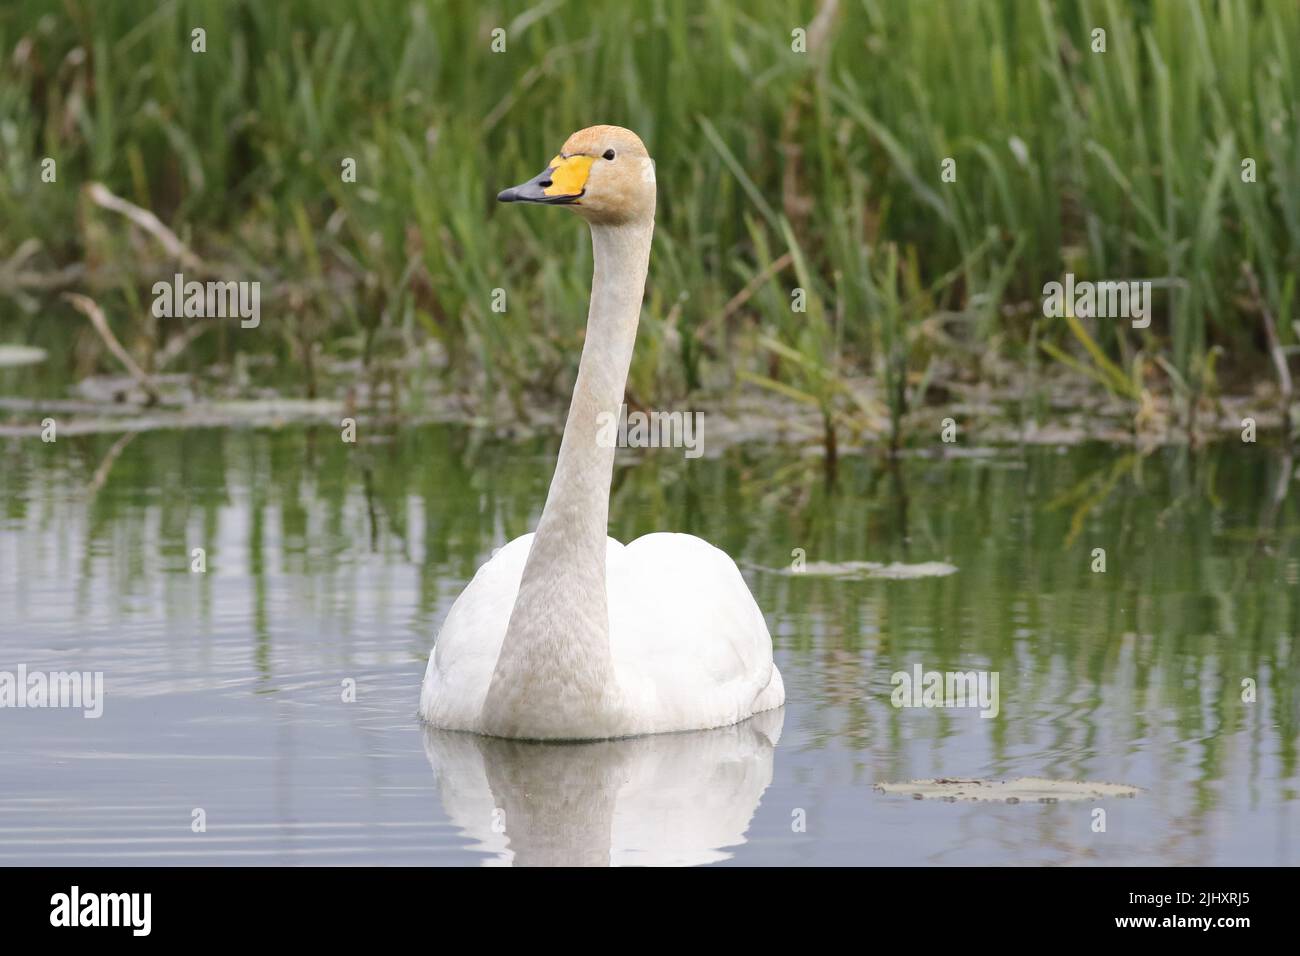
[564,180]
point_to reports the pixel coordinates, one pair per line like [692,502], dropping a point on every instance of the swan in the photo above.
[565,633]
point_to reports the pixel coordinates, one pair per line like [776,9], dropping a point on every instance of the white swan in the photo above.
[566,634]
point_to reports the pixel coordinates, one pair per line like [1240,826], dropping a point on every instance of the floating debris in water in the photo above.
[1019,790]
[860,570]
[14,355]
[259,413]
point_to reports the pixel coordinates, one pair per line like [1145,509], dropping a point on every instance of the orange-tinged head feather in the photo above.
[594,140]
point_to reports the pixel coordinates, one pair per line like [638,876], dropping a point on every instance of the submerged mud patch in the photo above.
[1019,790]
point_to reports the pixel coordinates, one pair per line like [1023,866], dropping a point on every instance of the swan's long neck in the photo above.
[555,669]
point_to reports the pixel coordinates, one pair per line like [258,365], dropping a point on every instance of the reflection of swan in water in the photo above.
[668,799]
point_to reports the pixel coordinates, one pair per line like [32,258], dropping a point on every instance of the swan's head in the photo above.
[602,172]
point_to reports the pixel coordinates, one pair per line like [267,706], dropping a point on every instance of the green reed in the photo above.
[777,169]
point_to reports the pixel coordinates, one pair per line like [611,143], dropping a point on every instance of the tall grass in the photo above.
[777,169]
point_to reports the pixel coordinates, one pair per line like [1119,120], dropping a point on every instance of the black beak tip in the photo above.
[507,195]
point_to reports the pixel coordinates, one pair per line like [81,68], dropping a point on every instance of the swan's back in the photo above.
[690,646]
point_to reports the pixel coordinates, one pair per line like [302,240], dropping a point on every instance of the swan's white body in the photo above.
[689,646]
[567,634]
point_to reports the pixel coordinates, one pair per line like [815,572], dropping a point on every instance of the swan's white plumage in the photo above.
[690,647]
[566,634]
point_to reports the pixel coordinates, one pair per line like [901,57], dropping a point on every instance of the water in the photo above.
[326,563]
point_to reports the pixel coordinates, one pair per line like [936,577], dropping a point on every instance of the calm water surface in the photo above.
[224,691]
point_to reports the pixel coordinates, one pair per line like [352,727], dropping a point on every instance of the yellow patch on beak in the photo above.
[568,176]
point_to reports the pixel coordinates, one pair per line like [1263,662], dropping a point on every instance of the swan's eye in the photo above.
[609,154]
